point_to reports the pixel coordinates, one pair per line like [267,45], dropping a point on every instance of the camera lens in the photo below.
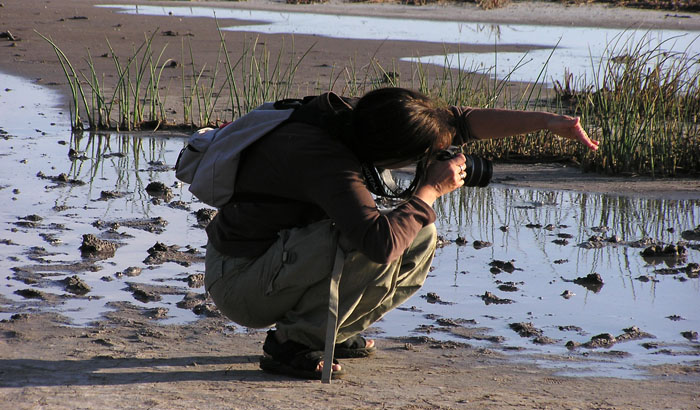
[479,171]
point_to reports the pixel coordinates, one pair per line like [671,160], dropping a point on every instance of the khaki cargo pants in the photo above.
[288,286]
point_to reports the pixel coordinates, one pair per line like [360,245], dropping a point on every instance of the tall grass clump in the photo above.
[253,76]
[643,106]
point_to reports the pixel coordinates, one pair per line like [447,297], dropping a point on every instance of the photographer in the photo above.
[302,186]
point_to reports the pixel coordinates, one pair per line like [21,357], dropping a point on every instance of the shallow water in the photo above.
[577,50]
[38,138]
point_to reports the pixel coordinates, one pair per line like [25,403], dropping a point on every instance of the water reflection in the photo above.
[542,234]
[545,236]
[559,49]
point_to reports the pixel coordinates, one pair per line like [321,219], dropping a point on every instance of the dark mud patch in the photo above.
[691,234]
[204,216]
[199,304]
[606,340]
[94,247]
[42,274]
[160,191]
[194,280]
[152,293]
[525,329]
[691,270]
[161,253]
[410,343]
[181,205]
[489,298]
[108,195]
[434,298]
[131,271]
[458,328]
[60,180]
[74,284]
[498,266]
[592,281]
[154,225]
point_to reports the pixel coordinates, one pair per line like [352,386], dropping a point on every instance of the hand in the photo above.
[570,127]
[442,177]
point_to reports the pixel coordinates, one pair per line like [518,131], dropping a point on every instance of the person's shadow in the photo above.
[116,371]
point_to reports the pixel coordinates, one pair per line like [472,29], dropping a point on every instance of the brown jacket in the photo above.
[311,175]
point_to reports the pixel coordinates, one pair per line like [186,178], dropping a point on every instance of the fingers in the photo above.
[446,176]
[583,137]
[571,128]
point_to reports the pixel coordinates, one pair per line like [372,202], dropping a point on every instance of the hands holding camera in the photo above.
[442,177]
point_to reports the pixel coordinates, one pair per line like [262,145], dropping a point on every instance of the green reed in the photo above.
[643,105]
[642,102]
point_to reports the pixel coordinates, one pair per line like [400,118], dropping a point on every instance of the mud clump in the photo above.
[161,253]
[434,298]
[160,191]
[143,294]
[198,304]
[607,339]
[592,281]
[601,340]
[634,333]
[107,195]
[75,285]
[156,313]
[691,235]
[60,179]
[497,266]
[690,335]
[154,225]
[179,205]
[490,298]
[544,340]
[195,280]
[29,221]
[30,294]
[204,216]
[481,244]
[692,270]
[658,251]
[525,329]
[508,287]
[94,247]
[567,294]
[131,271]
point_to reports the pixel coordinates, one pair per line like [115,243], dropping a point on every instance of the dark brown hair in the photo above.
[397,123]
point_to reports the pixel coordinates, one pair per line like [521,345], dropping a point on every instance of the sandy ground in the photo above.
[130,361]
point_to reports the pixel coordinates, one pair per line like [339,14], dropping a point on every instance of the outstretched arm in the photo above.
[485,123]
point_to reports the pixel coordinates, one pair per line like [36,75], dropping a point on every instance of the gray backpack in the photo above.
[209,162]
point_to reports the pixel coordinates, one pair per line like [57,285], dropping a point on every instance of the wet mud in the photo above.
[123,235]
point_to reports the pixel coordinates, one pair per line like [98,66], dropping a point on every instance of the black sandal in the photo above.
[292,359]
[353,348]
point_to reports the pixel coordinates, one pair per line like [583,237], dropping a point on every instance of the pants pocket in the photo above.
[306,257]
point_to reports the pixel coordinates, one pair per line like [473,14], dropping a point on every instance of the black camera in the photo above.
[479,170]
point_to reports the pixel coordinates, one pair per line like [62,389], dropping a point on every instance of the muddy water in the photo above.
[509,258]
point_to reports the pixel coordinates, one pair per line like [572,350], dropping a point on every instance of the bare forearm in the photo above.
[486,123]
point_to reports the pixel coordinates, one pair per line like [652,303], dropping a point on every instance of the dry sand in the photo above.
[129,361]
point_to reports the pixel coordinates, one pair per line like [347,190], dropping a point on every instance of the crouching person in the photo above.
[303,190]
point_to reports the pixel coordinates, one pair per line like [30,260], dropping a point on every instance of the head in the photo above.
[398,125]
